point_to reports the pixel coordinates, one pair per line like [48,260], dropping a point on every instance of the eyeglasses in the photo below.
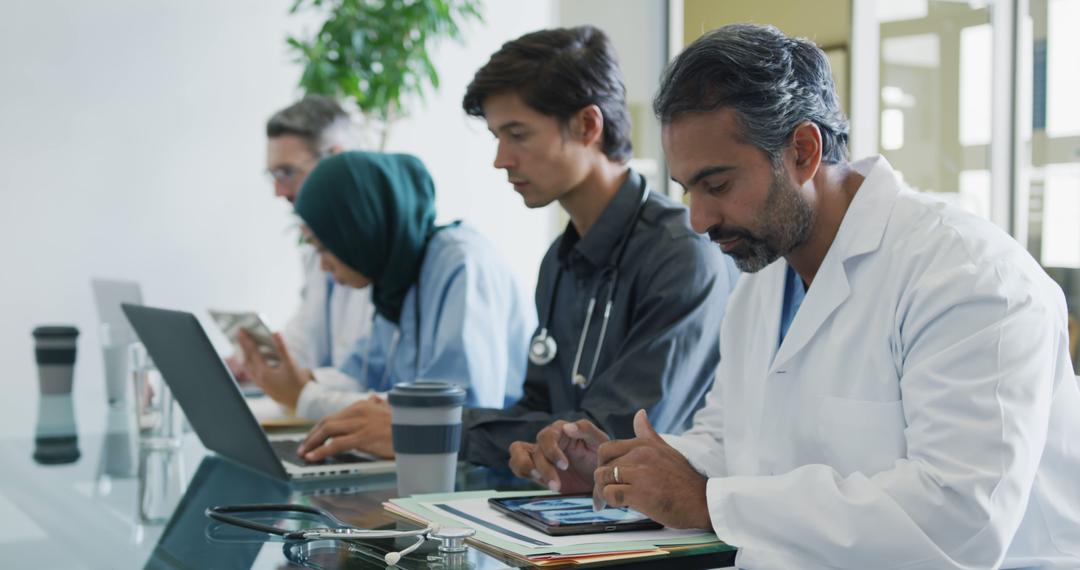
[290,173]
[287,174]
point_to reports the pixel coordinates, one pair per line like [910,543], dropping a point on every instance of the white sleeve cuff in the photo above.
[317,401]
[335,379]
[714,499]
[702,453]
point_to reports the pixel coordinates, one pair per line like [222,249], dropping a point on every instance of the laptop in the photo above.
[216,409]
[108,296]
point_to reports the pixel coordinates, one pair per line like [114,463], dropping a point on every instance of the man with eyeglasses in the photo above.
[323,331]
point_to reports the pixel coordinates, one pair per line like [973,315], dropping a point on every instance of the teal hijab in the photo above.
[375,212]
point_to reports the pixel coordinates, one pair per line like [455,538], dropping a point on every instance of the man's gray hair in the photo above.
[773,83]
[320,121]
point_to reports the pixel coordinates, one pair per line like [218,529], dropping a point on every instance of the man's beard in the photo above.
[784,224]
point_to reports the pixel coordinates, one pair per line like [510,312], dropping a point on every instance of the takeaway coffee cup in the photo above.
[54,349]
[426,422]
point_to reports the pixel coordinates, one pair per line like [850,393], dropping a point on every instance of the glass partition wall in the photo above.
[935,97]
[978,104]
[1048,199]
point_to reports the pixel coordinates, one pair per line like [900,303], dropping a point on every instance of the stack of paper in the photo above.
[498,534]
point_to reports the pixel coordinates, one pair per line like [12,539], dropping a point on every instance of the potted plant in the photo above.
[375,53]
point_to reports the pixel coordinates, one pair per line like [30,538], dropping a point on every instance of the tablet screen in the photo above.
[555,510]
[230,323]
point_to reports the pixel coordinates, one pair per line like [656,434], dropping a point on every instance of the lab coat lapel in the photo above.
[769,285]
[829,289]
[860,232]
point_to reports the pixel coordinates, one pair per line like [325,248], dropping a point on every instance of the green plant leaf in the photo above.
[377,52]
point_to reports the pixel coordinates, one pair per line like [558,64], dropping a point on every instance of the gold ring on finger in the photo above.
[617,474]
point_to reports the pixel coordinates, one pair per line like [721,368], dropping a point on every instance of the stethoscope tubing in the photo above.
[576,378]
[339,530]
[581,344]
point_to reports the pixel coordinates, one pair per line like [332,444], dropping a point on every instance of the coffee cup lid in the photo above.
[55,330]
[426,395]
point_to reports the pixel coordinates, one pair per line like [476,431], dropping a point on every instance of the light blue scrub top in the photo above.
[474,327]
[326,360]
[794,293]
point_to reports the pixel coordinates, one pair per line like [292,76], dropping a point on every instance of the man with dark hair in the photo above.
[895,389]
[630,298]
[331,319]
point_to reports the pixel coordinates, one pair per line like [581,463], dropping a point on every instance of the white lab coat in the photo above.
[327,327]
[920,413]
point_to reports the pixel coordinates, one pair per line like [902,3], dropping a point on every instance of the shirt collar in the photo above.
[599,243]
[864,223]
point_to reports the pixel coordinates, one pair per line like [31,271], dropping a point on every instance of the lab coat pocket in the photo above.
[861,435]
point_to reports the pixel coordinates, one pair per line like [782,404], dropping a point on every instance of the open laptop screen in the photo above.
[108,296]
[203,386]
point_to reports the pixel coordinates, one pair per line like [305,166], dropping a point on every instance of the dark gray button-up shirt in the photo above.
[661,348]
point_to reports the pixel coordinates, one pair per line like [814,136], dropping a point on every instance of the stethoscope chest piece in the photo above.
[542,348]
[452,539]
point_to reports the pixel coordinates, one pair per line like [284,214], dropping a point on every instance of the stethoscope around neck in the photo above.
[543,348]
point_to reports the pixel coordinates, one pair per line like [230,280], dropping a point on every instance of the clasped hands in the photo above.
[643,473]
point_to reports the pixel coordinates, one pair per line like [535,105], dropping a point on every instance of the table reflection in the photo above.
[56,441]
[186,543]
[192,540]
[118,458]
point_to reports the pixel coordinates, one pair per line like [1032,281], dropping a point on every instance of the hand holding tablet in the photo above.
[231,323]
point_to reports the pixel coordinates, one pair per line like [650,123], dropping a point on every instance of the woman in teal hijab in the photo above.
[375,213]
[447,307]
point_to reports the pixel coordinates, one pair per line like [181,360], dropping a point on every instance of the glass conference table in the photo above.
[96,501]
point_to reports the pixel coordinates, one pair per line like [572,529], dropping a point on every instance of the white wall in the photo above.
[131,146]
[459,150]
[637,29]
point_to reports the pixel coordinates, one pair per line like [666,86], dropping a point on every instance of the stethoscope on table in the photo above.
[542,347]
[451,540]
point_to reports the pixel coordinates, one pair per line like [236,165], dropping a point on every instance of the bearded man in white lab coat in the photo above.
[894,389]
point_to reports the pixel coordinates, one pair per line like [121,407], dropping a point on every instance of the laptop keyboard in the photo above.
[286,450]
